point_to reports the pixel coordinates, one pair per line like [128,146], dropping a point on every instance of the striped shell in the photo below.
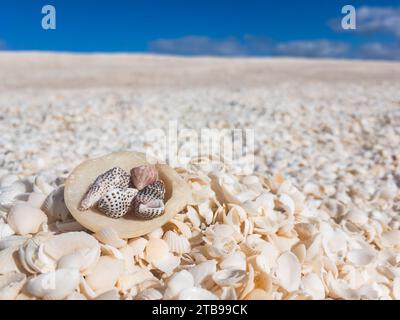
[149,202]
[113,178]
[117,202]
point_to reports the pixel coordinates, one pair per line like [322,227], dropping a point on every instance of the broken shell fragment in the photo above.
[229,277]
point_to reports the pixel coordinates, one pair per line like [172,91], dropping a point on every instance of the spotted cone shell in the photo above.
[113,178]
[117,202]
[149,202]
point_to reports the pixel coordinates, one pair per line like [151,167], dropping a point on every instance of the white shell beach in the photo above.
[318,218]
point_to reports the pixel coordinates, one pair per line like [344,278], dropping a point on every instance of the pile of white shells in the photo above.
[319,218]
[247,237]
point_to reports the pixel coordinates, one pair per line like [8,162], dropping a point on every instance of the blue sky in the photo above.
[201,27]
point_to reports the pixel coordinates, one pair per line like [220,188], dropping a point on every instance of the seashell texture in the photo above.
[116,202]
[25,219]
[113,178]
[316,216]
[144,175]
[149,202]
[177,243]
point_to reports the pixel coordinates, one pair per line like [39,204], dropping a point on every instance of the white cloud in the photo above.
[377,50]
[248,46]
[314,48]
[378,19]
[373,20]
[198,45]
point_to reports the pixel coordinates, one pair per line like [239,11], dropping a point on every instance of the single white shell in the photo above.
[196,294]
[236,260]
[156,250]
[203,271]
[109,236]
[178,282]
[137,245]
[105,274]
[288,271]
[24,219]
[11,284]
[54,205]
[177,243]
[167,264]
[360,257]
[54,285]
[229,277]
[313,286]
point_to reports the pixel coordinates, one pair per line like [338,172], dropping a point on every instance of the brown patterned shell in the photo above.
[142,176]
